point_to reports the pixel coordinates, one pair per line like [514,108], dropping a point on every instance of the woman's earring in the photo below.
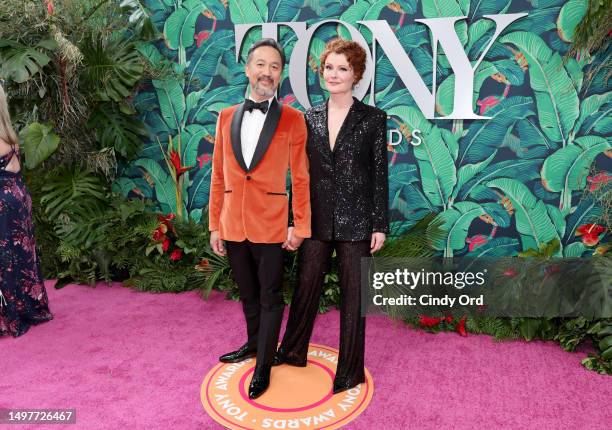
[356,86]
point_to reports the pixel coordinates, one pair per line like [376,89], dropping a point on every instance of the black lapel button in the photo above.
[248,178]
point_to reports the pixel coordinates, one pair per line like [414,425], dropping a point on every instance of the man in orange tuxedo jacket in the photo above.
[256,143]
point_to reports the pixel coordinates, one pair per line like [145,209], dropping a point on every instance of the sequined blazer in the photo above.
[349,185]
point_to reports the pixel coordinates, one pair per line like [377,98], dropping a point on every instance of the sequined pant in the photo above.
[314,261]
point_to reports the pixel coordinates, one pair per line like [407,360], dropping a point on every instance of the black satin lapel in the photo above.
[235,136]
[267,133]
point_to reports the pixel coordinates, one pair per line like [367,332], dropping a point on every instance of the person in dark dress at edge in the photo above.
[23,298]
[347,152]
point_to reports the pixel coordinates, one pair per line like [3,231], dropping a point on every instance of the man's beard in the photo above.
[264,92]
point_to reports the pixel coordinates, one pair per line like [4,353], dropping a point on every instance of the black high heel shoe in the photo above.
[260,381]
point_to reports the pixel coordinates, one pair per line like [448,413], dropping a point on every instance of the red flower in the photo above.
[201,37]
[511,273]
[486,103]
[176,255]
[175,159]
[165,219]
[476,240]
[166,244]
[50,7]
[552,269]
[426,321]
[203,159]
[449,318]
[288,99]
[590,233]
[461,327]
[165,223]
[158,234]
[597,181]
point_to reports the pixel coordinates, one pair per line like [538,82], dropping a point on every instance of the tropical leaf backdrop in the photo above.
[538,171]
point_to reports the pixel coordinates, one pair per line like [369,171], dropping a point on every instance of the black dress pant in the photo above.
[258,271]
[314,261]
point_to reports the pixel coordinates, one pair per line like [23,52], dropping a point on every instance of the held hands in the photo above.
[293,241]
[377,242]
[217,244]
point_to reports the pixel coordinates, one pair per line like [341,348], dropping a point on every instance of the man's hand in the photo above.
[293,241]
[378,239]
[217,244]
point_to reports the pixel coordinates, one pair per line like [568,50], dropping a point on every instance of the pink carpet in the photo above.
[126,359]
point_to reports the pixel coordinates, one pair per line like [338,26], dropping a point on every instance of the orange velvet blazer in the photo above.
[252,203]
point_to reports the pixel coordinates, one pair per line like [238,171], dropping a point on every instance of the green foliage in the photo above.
[139,18]
[73,191]
[21,63]
[71,70]
[591,32]
[528,170]
[112,67]
[116,126]
[39,142]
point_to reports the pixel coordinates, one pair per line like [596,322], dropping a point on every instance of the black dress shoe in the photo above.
[260,381]
[278,360]
[241,354]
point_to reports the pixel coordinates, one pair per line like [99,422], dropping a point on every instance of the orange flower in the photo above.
[202,266]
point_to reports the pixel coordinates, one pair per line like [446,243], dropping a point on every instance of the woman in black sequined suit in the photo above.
[347,152]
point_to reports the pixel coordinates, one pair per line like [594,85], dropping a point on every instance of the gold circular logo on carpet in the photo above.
[298,397]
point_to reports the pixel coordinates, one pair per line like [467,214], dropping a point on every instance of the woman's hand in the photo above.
[377,242]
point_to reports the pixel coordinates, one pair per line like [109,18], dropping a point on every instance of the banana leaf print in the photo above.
[161,182]
[536,171]
[566,170]
[570,15]
[484,136]
[179,28]
[531,216]
[171,102]
[456,222]
[361,11]
[588,211]
[556,97]
[436,164]
[248,11]
[595,115]
[204,63]
[497,247]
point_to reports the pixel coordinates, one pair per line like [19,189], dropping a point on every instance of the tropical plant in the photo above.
[532,179]
[73,69]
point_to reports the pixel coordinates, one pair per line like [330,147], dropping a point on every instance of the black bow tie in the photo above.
[250,105]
